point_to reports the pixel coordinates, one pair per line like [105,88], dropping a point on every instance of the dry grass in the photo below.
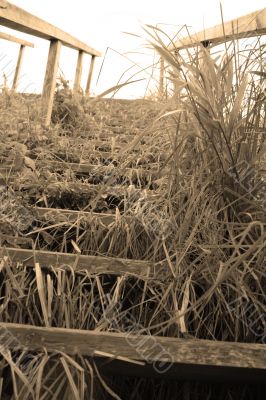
[204,221]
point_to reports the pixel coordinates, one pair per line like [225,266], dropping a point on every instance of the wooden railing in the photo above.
[250,25]
[191,359]
[16,18]
[23,45]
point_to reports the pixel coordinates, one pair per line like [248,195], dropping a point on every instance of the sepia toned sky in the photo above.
[101,24]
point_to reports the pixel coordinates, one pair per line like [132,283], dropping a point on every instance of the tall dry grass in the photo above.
[204,223]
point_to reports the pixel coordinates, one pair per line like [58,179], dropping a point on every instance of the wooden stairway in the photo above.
[100,169]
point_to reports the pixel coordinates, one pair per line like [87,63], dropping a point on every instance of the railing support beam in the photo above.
[77,83]
[18,67]
[88,87]
[50,81]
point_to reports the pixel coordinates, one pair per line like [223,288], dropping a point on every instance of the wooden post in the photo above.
[50,81]
[203,62]
[90,75]
[161,82]
[18,67]
[78,71]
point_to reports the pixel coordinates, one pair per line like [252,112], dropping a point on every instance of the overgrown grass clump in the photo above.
[202,224]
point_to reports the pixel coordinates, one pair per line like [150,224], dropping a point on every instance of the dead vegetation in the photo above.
[202,219]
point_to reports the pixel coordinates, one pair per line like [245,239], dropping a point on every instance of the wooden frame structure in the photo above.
[181,359]
[188,359]
[247,26]
[23,45]
[16,18]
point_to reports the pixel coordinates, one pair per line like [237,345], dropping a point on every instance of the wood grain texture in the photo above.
[177,358]
[92,264]
[44,214]
[92,169]
[50,81]
[78,75]
[88,86]
[18,67]
[16,18]
[14,39]
[250,25]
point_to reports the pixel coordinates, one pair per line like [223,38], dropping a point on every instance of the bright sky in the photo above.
[101,24]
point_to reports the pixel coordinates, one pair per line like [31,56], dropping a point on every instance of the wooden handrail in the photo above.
[249,25]
[14,39]
[16,18]
[23,45]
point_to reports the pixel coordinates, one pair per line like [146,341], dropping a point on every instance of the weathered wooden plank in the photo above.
[78,75]
[250,25]
[99,169]
[18,67]
[88,87]
[7,176]
[14,39]
[109,133]
[16,18]
[71,215]
[124,134]
[174,358]
[93,264]
[50,81]
[97,144]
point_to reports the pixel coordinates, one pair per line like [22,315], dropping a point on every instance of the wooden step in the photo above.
[102,191]
[42,214]
[139,355]
[92,264]
[143,176]
[98,169]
